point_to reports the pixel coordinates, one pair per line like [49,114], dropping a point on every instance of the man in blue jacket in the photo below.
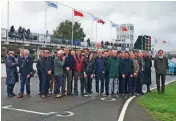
[26,70]
[12,74]
[126,68]
[99,71]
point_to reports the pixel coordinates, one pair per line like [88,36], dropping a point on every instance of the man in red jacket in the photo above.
[78,72]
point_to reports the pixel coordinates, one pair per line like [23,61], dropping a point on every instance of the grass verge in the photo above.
[161,106]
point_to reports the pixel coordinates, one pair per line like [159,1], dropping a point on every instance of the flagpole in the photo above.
[110,30]
[45,15]
[7,20]
[92,29]
[96,30]
[72,26]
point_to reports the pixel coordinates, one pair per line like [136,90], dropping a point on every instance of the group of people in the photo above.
[115,72]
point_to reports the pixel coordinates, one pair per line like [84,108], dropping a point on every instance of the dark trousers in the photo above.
[45,83]
[24,80]
[163,77]
[88,80]
[126,84]
[107,84]
[40,81]
[10,88]
[99,76]
[140,82]
[67,78]
[120,81]
[134,85]
[83,84]
[58,83]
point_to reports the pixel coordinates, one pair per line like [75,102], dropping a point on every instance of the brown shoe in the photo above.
[20,96]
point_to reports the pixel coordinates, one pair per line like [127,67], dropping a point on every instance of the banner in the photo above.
[43,38]
[3,34]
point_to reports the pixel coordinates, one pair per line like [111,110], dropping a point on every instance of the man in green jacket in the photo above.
[113,69]
[58,71]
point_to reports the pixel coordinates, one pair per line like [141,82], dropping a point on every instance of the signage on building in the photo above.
[44,38]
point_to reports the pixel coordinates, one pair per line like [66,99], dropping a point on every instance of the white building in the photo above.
[126,38]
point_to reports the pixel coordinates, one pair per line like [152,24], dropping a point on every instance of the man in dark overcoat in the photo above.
[147,70]
[12,74]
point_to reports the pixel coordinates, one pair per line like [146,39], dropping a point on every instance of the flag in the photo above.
[114,25]
[124,29]
[164,41]
[51,4]
[100,21]
[94,18]
[77,13]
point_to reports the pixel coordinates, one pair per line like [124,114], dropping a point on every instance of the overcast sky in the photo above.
[152,18]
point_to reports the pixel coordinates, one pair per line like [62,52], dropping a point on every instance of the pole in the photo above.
[7,20]
[92,28]
[96,30]
[142,43]
[110,30]
[72,26]
[45,16]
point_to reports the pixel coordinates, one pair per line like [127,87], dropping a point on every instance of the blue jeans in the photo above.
[58,83]
[24,80]
[99,76]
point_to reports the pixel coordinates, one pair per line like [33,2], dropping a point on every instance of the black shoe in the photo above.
[141,93]
[13,94]
[39,93]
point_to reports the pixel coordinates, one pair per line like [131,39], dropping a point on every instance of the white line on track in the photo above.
[125,106]
[9,107]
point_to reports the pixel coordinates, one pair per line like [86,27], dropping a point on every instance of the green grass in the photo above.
[161,106]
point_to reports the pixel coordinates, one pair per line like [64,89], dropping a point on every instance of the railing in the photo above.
[41,39]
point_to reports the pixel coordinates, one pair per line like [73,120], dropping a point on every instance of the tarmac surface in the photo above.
[35,108]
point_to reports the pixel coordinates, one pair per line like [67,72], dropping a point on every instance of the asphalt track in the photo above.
[84,108]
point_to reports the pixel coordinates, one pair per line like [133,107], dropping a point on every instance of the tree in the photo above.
[64,31]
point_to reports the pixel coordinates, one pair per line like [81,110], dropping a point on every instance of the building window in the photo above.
[131,28]
[131,36]
[127,36]
[128,27]
[117,36]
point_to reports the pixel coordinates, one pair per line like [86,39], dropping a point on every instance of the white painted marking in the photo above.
[62,115]
[108,99]
[27,111]
[125,106]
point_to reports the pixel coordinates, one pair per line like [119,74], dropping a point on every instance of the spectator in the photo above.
[161,66]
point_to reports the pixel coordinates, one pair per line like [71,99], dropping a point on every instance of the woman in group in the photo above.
[89,70]
[58,71]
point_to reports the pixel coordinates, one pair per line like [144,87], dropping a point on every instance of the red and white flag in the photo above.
[77,13]
[100,21]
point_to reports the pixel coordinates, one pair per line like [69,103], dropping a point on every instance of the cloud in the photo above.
[152,18]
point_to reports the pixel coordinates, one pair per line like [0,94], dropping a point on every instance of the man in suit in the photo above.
[39,69]
[26,71]
[12,74]
[46,74]
[67,74]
